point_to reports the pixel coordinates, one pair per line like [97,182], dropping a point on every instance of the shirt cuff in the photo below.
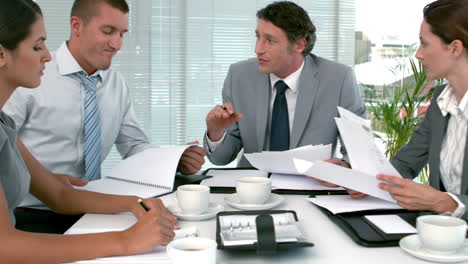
[461,208]
[213,145]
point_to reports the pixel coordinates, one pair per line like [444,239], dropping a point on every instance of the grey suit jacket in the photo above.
[425,146]
[323,85]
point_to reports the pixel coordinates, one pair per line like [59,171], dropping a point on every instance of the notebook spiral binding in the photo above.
[141,183]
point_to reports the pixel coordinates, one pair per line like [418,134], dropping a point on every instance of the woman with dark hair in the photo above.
[23,55]
[440,140]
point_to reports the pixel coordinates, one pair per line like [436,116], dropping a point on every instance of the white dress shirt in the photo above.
[291,98]
[453,144]
[50,121]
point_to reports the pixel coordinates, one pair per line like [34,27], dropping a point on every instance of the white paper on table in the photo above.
[228,178]
[348,178]
[344,203]
[298,182]
[97,223]
[282,161]
[391,224]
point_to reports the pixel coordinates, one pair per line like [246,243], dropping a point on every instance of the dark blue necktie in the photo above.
[279,133]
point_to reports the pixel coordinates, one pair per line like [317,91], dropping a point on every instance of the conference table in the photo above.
[332,245]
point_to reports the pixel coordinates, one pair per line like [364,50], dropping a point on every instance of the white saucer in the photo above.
[213,209]
[234,201]
[412,245]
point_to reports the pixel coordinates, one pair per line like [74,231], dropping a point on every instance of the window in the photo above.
[177,53]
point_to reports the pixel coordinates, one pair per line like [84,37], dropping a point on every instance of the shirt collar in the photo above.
[292,80]
[67,64]
[448,103]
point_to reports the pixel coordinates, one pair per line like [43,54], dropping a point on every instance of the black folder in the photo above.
[277,191]
[366,234]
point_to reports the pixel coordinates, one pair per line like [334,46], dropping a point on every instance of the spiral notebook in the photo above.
[147,174]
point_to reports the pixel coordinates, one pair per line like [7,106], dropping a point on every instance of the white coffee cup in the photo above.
[192,250]
[441,234]
[193,199]
[253,190]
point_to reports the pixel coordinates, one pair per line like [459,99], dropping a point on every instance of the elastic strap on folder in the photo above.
[266,242]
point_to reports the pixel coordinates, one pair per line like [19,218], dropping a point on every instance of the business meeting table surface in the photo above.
[331,244]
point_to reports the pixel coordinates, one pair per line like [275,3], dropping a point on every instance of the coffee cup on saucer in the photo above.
[253,190]
[441,234]
[192,250]
[193,199]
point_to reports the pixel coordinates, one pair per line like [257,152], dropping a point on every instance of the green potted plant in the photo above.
[399,115]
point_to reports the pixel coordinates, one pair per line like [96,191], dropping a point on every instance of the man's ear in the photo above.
[76,24]
[300,45]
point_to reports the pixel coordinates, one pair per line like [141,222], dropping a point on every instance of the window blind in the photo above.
[177,53]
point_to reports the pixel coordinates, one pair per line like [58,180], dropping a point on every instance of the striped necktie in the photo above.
[92,128]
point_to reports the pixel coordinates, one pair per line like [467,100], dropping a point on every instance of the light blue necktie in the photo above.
[92,128]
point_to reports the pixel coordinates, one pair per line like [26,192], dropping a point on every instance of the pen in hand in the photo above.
[140,201]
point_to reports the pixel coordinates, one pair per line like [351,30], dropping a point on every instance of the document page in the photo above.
[391,224]
[344,203]
[298,182]
[282,161]
[363,153]
[348,178]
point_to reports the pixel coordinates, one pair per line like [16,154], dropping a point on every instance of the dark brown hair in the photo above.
[87,9]
[16,19]
[448,20]
[293,20]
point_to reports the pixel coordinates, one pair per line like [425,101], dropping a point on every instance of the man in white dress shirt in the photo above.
[51,119]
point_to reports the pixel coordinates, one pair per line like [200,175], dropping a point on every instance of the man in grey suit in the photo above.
[283,99]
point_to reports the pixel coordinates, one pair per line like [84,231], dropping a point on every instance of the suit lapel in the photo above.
[464,183]
[263,88]
[307,91]
[437,143]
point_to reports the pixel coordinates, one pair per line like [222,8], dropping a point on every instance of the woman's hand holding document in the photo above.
[364,156]
[412,195]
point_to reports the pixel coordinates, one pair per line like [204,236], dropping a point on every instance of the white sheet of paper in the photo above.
[391,224]
[298,182]
[348,178]
[344,203]
[96,223]
[348,115]
[228,178]
[363,153]
[282,161]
